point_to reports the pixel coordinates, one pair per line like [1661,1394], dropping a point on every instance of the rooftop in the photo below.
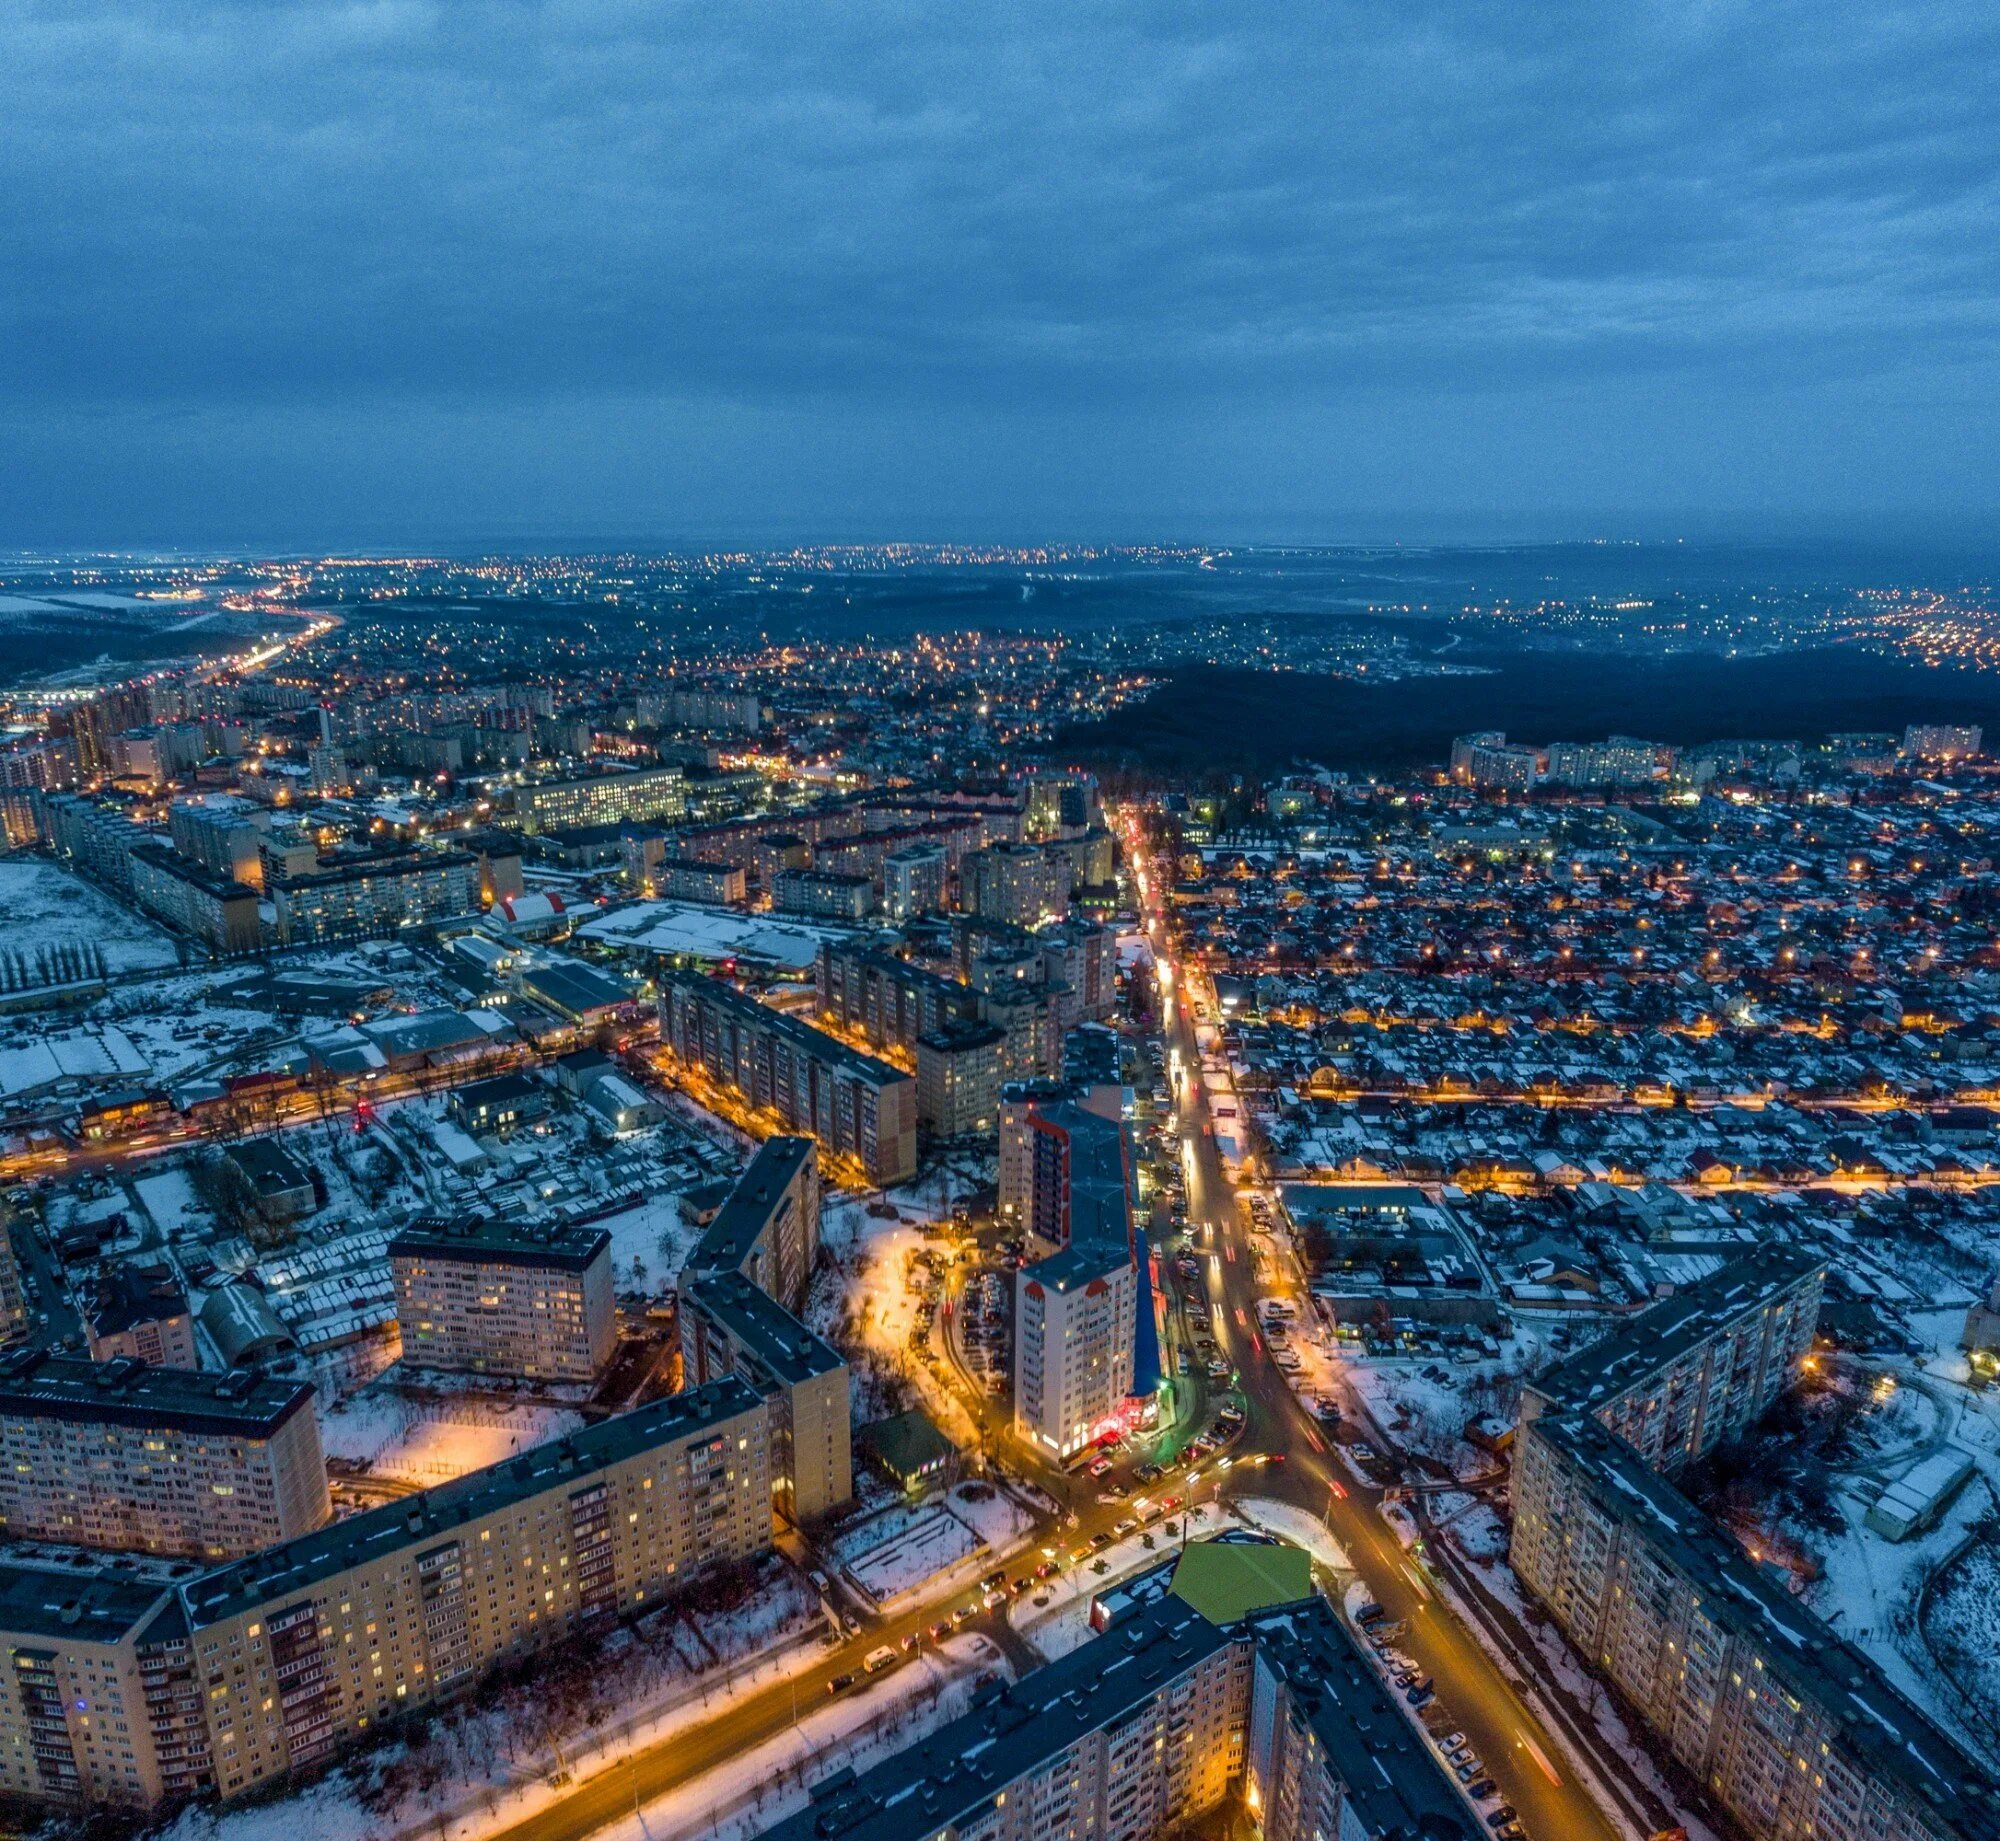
[1888,1736]
[295,1565]
[1660,1334]
[765,1181]
[955,1773]
[758,1323]
[483,1241]
[35,1385]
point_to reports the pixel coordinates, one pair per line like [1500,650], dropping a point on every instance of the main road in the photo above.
[1509,1736]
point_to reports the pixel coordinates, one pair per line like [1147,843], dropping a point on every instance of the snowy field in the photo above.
[432,1441]
[649,1245]
[46,906]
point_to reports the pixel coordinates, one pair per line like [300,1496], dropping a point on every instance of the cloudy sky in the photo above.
[320,273]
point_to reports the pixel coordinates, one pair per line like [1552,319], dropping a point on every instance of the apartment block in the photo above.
[159,1460]
[855,1105]
[728,1327]
[1158,1722]
[502,1298]
[370,896]
[959,1074]
[768,1229]
[640,796]
[1077,1311]
[1697,1368]
[1127,1738]
[825,894]
[135,1694]
[1023,884]
[889,1001]
[1795,1732]
[207,906]
[142,1313]
[1327,1750]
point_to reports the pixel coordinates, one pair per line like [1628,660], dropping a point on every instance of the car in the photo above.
[965,1613]
[1102,1468]
[998,1576]
[1458,1754]
[840,1684]
[1421,1695]
[1482,1789]
[1077,1555]
[1370,1613]
[939,1631]
[1512,1831]
[1126,1526]
[1099,1541]
[1505,1813]
[1451,1742]
[912,1639]
[878,1659]
[1404,1677]
[1048,1569]
[1467,1771]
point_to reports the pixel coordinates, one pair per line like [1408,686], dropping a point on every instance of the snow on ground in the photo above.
[432,1441]
[1291,1523]
[169,1197]
[991,1513]
[1055,1616]
[1868,1592]
[649,1245]
[910,1553]
[46,906]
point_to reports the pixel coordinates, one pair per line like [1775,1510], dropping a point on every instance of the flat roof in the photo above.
[952,1776]
[297,1564]
[1661,1333]
[34,1385]
[1227,1580]
[1100,1178]
[473,1240]
[815,1042]
[726,1242]
[783,1346]
[1887,1735]
[1394,1781]
[71,1606]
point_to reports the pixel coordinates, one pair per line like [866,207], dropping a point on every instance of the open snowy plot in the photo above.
[169,1197]
[431,1441]
[649,1244]
[47,907]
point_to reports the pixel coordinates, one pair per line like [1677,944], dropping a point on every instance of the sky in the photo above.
[329,274]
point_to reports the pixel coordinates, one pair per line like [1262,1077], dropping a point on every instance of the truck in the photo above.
[877,1660]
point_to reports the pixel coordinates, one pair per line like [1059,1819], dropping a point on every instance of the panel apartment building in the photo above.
[134,1694]
[505,1298]
[1154,1724]
[1696,1369]
[855,1105]
[371,896]
[118,1454]
[642,796]
[1797,1734]
[742,1300]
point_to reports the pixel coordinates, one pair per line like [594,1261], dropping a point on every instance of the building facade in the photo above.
[1074,1319]
[156,1460]
[638,797]
[498,1298]
[853,1104]
[134,1694]
[375,895]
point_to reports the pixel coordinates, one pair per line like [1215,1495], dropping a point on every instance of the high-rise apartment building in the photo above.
[1793,1731]
[160,1460]
[638,797]
[134,1694]
[366,897]
[853,1104]
[505,1298]
[768,1228]
[1696,1368]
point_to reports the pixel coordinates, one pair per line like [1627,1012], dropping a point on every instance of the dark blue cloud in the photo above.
[684,262]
